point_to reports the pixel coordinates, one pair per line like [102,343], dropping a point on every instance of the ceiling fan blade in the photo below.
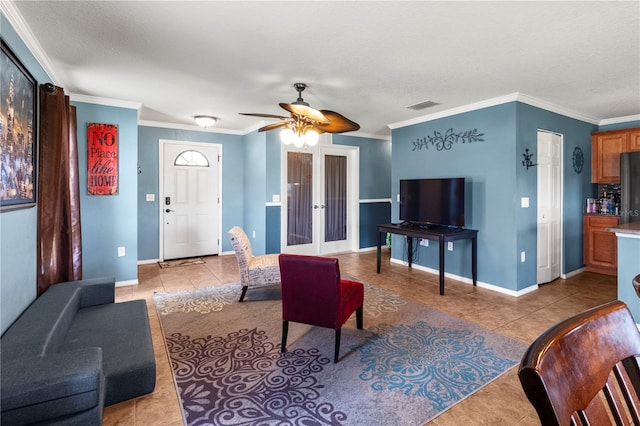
[273,126]
[306,111]
[338,123]
[258,114]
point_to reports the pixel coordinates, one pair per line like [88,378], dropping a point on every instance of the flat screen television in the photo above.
[432,201]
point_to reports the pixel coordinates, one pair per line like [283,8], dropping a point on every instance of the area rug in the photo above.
[181,262]
[408,364]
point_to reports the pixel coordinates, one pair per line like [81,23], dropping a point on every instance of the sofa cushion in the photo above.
[39,388]
[43,325]
[122,331]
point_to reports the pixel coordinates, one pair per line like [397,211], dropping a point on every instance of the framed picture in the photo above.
[18,128]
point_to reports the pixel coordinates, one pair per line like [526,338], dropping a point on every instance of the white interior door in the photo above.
[320,212]
[549,206]
[189,199]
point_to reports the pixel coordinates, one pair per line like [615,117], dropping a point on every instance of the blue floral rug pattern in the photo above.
[439,364]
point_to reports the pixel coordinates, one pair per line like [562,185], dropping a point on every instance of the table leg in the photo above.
[410,249]
[441,256]
[474,259]
[379,249]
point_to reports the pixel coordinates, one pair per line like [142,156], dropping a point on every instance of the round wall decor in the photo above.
[578,159]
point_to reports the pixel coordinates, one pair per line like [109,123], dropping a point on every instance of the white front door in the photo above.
[320,200]
[549,206]
[189,199]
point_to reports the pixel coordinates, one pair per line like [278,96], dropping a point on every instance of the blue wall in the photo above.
[496,181]
[109,221]
[255,191]
[628,268]
[148,180]
[489,169]
[577,187]
[18,227]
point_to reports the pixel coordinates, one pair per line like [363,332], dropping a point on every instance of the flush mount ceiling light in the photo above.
[205,120]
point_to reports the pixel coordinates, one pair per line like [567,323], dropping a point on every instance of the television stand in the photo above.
[441,234]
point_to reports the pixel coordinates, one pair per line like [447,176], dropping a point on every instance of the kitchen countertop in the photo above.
[632,228]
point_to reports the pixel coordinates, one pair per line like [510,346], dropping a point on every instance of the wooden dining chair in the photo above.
[584,370]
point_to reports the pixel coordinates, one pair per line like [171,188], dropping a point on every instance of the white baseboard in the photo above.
[467,280]
[126,283]
[572,273]
[148,261]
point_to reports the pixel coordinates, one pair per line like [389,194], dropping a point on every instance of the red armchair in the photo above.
[313,293]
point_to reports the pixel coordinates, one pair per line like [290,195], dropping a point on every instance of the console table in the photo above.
[441,234]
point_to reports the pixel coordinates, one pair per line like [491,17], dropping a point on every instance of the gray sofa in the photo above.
[72,352]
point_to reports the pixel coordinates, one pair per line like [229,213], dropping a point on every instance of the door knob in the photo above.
[168,210]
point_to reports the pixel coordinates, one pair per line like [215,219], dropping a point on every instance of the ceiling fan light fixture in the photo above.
[311,137]
[205,120]
[298,141]
[287,136]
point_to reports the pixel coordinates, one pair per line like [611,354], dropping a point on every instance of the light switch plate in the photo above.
[151,197]
[524,202]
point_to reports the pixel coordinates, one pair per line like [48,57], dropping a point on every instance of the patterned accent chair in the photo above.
[584,370]
[255,271]
[313,293]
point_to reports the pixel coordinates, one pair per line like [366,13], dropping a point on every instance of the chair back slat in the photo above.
[584,370]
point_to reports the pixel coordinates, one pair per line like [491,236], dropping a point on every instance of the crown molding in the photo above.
[193,127]
[104,101]
[18,23]
[617,120]
[548,106]
[513,97]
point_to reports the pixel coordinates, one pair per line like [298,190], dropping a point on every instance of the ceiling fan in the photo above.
[306,123]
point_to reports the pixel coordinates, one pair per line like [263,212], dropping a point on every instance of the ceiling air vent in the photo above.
[423,105]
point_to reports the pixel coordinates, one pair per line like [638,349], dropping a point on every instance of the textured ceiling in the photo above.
[366,60]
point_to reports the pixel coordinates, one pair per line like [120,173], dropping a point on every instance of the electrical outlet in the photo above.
[522,256]
[121,251]
[151,197]
[254,234]
[424,242]
[450,246]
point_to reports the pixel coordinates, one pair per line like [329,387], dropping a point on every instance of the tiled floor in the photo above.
[502,402]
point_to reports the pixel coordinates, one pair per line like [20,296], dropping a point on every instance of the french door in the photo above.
[320,199]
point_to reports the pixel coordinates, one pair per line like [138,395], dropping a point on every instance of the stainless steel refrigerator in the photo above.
[630,187]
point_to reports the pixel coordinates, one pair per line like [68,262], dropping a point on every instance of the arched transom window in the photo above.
[191,158]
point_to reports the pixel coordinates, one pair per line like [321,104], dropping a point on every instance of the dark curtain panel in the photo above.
[59,235]
[335,198]
[299,202]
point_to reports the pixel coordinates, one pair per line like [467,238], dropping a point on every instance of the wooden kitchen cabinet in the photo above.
[606,148]
[600,246]
[605,157]
[634,140]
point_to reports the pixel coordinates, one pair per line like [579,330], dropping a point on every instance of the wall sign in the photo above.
[102,159]
[447,140]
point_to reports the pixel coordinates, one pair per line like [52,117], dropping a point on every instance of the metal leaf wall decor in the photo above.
[446,141]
